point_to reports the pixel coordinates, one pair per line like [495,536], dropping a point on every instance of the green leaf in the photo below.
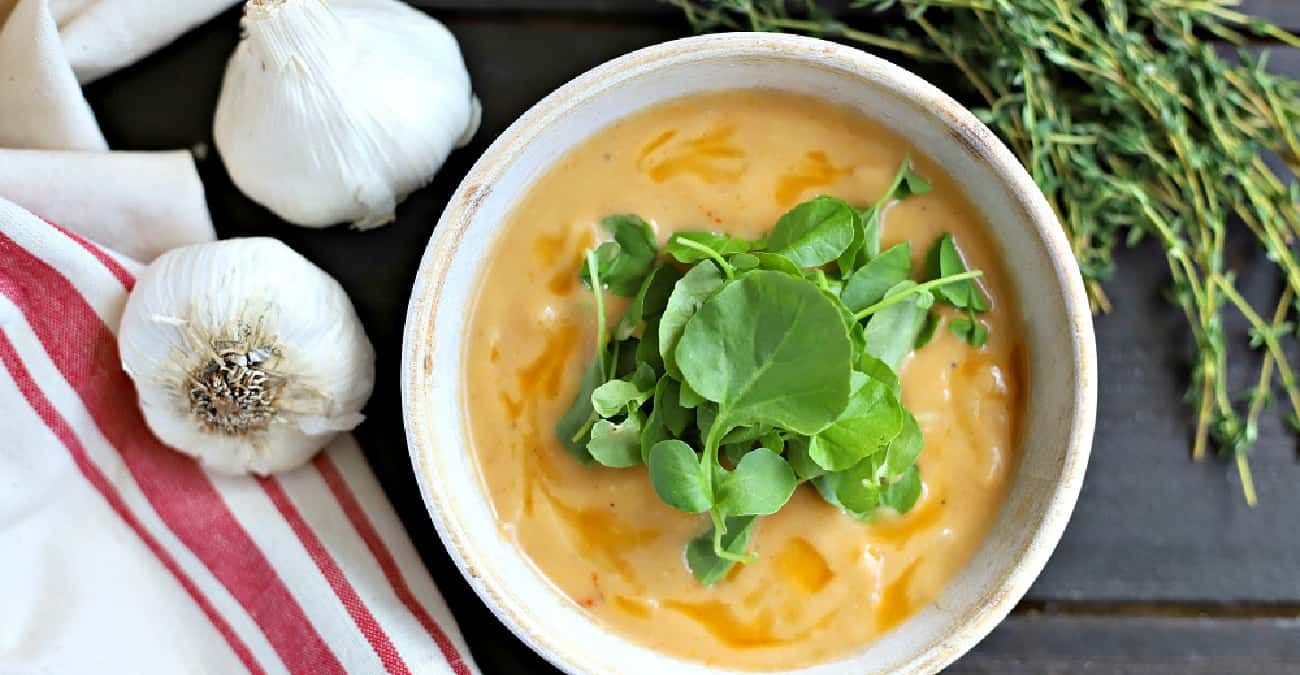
[688,398]
[970,329]
[824,282]
[927,330]
[905,184]
[645,377]
[577,420]
[866,244]
[878,370]
[616,445]
[619,396]
[652,432]
[769,348]
[694,288]
[647,348]
[773,440]
[705,415]
[746,434]
[613,397]
[854,254]
[871,420]
[624,263]
[624,358]
[705,564]
[872,229]
[908,182]
[668,405]
[891,332]
[858,489]
[852,327]
[650,300]
[827,485]
[734,451]
[721,244]
[905,447]
[869,284]
[678,478]
[945,260]
[796,452]
[761,483]
[778,263]
[743,262]
[814,232]
[902,494]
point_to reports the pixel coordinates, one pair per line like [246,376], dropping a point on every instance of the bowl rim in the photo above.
[416,364]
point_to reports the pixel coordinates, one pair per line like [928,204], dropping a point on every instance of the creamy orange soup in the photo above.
[824,583]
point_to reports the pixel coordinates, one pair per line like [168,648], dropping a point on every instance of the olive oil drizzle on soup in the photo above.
[824,584]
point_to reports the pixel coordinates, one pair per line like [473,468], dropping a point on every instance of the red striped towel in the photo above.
[118,555]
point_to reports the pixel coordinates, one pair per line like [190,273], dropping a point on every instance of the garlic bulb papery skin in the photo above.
[335,111]
[245,355]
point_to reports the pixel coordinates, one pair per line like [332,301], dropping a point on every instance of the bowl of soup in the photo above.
[775,185]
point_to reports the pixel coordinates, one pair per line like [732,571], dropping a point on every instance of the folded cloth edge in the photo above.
[140,204]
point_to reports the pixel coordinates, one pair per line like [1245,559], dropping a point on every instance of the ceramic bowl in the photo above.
[1058,331]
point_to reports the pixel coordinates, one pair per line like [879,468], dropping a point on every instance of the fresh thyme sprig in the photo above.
[1133,126]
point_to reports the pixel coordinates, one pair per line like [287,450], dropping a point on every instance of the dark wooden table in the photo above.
[1163,568]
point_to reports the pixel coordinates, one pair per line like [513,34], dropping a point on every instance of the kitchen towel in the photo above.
[54,159]
[118,555]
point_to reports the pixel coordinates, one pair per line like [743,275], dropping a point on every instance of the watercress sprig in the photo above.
[743,368]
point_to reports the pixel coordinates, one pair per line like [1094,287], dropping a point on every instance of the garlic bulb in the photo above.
[245,354]
[335,111]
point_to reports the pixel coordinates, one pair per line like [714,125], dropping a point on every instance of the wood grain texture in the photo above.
[1071,645]
[1150,526]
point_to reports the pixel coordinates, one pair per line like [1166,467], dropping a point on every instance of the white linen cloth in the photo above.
[118,555]
[46,48]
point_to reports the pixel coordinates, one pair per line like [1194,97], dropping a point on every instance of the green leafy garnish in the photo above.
[905,447]
[692,247]
[866,239]
[761,484]
[872,281]
[969,329]
[616,444]
[814,232]
[871,420]
[702,557]
[797,452]
[768,348]
[763,365]
[777,263]
[574,428]
[616,396]
[893,329]
[624,262]
[668,402]
[858,489]
[944,260]
[901,495]
[649,301]
[678,478]
[687,296]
